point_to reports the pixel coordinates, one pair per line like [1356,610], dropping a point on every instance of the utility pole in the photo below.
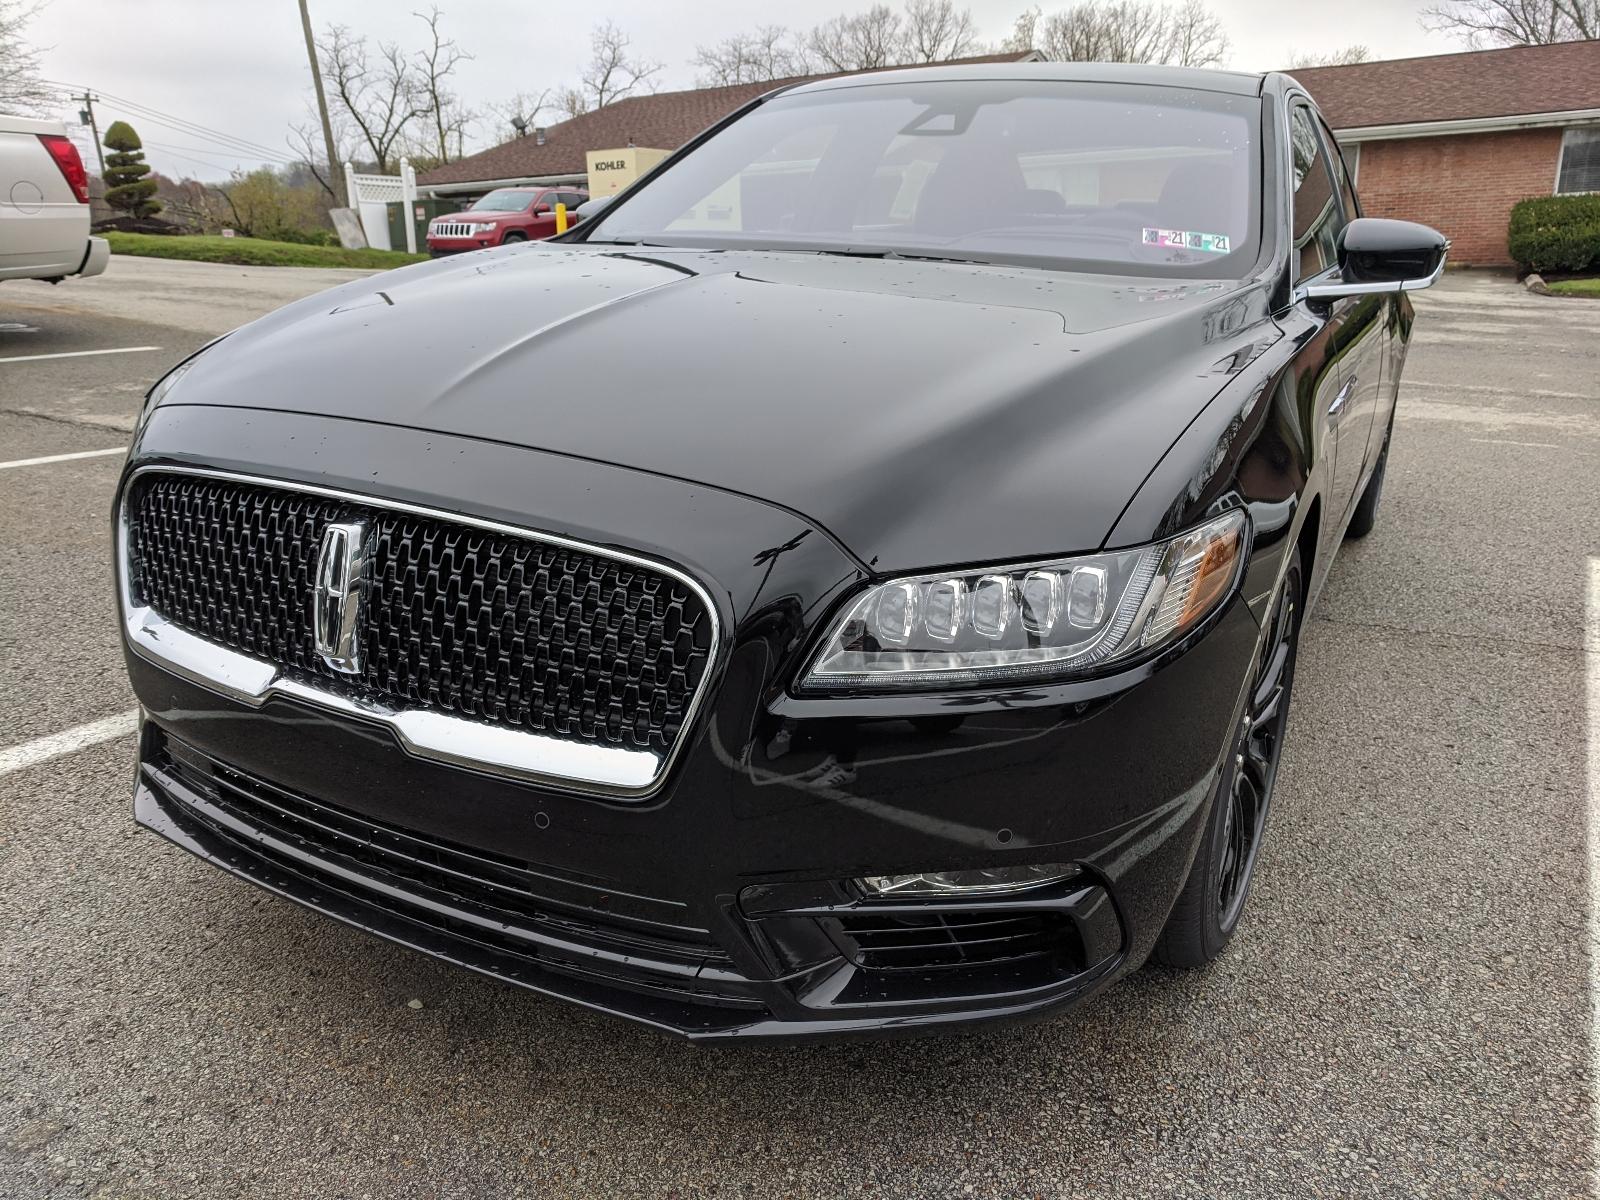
[87,116]
[322,101]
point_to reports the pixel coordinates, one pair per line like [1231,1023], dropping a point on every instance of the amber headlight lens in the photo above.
[1071,617]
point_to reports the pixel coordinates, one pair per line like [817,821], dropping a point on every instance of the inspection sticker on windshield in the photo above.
[1209,243]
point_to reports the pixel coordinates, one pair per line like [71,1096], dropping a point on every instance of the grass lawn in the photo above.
[253,252]
[1576,287]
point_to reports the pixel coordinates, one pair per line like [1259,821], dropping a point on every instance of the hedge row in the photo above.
[1556,233]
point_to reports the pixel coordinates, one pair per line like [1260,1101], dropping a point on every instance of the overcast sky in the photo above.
[240,67]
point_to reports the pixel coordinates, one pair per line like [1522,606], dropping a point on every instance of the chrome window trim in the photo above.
[426,733]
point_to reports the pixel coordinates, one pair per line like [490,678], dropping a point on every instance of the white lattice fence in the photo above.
[370,196]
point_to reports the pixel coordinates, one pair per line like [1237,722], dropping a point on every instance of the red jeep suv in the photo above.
[504,215]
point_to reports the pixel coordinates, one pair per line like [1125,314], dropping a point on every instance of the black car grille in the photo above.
[476,895]
[883,940]
[479,624]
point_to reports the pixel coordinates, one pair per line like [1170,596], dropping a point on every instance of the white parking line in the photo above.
[1591,657]
[77,354]
[80,737]
[52,458]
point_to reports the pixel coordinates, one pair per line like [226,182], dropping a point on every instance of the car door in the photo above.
[1353,333]
[1375,389]
[542,216]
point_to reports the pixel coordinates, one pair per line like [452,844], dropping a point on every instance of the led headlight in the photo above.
[1071,617]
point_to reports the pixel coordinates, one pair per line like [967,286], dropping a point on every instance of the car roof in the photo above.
[1234,83]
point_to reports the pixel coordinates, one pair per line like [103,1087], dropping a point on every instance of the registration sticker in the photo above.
[1208,243]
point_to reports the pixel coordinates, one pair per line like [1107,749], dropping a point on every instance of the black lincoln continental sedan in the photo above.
[851,584]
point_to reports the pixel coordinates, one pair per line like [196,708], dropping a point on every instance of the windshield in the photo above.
[505,200]
[1106,177]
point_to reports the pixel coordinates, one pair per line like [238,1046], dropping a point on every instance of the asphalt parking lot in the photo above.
[1407,1011]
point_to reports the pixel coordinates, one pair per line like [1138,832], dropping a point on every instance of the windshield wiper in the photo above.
[901,254]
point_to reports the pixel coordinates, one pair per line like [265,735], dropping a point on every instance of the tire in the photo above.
[1207,913]
[513,236]
[1365,515]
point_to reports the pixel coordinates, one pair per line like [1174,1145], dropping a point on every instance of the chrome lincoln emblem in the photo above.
[339,596]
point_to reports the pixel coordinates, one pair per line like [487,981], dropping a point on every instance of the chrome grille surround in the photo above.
[515,753]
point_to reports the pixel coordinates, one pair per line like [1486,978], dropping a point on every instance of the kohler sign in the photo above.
[612,170]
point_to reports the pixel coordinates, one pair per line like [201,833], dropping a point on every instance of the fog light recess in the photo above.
[983,881]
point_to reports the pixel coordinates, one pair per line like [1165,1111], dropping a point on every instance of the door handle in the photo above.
[1343,397]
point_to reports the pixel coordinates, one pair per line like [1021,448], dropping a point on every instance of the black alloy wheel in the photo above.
[1207,912]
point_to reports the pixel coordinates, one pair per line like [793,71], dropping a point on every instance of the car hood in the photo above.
[923,413]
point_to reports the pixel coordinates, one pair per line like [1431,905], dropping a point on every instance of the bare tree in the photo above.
[21,90]
[925,31]
[572,102]
[613,72]
[862,42]
[303,139]
[769,52]
[446,117]
[1195,37]
[1024,33]
[521,112]
[1481,23]
[380,99]
[1104,32]
[1349,56]
[937,31]
[1126,31]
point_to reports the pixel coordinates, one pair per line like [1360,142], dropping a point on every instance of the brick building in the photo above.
[1455,140]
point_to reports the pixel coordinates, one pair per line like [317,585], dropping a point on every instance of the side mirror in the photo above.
[541,210]
[1379,255]
[590,209]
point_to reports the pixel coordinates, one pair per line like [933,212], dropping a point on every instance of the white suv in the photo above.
[44,204]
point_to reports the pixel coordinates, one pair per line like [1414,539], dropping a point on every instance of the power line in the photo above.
[221,141]
[205,133]
[201,150]
[199,131]
[186,153]
[243,143]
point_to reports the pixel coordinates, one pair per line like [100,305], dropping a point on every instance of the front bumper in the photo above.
[650,913]
[460,245]
[582,947]
[720,907]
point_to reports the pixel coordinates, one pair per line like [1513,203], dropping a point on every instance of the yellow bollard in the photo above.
[561,218]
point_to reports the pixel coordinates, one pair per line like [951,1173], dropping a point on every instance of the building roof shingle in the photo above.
[1515,81]
[662,121]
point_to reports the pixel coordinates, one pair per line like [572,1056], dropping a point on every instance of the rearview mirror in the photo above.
[1379,255]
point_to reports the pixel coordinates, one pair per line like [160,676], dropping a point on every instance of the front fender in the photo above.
[1260,441]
